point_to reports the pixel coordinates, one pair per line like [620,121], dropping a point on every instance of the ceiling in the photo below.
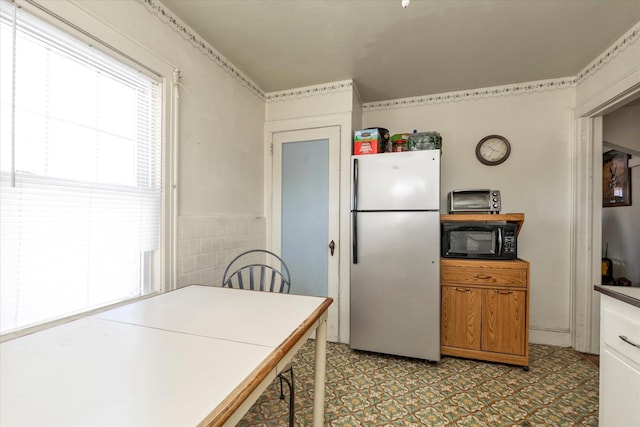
[432,46]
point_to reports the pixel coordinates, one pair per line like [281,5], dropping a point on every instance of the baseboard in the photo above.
[549,337]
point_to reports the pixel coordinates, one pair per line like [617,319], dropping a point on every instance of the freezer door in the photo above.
[395,286]
[396,181]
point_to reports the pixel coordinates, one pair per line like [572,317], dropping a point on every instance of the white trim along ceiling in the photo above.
[187,33]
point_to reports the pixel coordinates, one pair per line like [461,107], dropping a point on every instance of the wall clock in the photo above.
[493,150]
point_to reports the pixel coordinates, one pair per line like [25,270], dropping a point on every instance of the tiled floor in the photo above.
[593,358]
[367,389]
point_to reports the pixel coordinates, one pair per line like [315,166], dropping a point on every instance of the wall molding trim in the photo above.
[166,16]
[612,51]
[468,95]
[306,91]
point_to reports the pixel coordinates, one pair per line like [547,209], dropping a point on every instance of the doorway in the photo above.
[305,212]
[588,240]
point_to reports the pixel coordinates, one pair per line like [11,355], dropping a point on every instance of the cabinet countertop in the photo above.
[628,294]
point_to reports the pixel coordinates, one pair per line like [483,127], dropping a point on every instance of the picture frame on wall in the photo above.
[616,179]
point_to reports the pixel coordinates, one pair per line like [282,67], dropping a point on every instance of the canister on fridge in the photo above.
[424,141]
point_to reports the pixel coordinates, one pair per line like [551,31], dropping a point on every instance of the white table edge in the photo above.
[233,408]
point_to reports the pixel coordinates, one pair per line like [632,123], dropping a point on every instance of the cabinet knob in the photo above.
[482,276]
[462,289]
[503,292]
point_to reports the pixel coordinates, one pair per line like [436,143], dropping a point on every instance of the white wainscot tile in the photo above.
[205,245]
[200,230]
[211,259]
[201,261]
[206,276]
[242,227]
[245,240]
[183,248]
[222,259]
[183,280]
[223,228]
[194,278]
[212,229]
[225,243]
[216,244]
[188,264]
[188,230]
[194,247]
[217,273]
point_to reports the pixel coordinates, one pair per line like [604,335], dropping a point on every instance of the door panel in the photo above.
[395,285]
[503,320]
[305,212]
[380,189]
[461,319]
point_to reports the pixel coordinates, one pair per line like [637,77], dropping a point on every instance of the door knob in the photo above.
[332,246]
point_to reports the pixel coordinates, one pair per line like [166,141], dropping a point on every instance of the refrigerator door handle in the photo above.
[355,184]
[354,238]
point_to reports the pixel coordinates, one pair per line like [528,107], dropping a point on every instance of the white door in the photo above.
[305,217]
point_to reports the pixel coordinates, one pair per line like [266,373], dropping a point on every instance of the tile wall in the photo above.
[207,244]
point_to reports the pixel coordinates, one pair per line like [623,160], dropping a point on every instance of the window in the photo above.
[80,175]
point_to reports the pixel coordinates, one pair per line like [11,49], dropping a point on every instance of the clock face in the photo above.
[493,150]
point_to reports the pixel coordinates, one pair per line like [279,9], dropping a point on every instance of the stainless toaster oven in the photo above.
[474,201]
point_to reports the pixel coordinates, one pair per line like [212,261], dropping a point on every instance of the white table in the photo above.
[195,356]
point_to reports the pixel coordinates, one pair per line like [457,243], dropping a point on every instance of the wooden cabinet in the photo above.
[461,322]
[485,310]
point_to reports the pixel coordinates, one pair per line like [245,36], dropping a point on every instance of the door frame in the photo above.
[586,253]
[344,122]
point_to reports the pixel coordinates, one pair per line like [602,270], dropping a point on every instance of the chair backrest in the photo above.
[244,272]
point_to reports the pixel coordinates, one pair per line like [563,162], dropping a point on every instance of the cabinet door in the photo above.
[619,391]
[503,321]
[460,323]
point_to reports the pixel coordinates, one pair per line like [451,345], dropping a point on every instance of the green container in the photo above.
[424,141]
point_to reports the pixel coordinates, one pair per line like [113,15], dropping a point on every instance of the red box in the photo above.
[369,141]
[367,147]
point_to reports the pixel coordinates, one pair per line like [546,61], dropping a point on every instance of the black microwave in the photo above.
[479,240]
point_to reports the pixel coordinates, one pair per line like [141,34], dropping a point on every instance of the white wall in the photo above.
[534,180]
[220,141]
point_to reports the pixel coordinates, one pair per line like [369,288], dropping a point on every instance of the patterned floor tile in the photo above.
[373,390]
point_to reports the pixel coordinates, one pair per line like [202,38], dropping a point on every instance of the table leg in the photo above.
[321,363]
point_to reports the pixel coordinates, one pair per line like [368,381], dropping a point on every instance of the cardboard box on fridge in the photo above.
[370,141]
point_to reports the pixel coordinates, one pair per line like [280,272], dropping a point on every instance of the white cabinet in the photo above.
[619,363]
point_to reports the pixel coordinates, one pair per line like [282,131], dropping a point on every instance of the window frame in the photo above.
[76,21]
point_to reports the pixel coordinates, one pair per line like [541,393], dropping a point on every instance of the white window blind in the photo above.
[80,175]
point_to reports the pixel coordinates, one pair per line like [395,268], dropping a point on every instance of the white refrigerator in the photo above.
[395,254]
